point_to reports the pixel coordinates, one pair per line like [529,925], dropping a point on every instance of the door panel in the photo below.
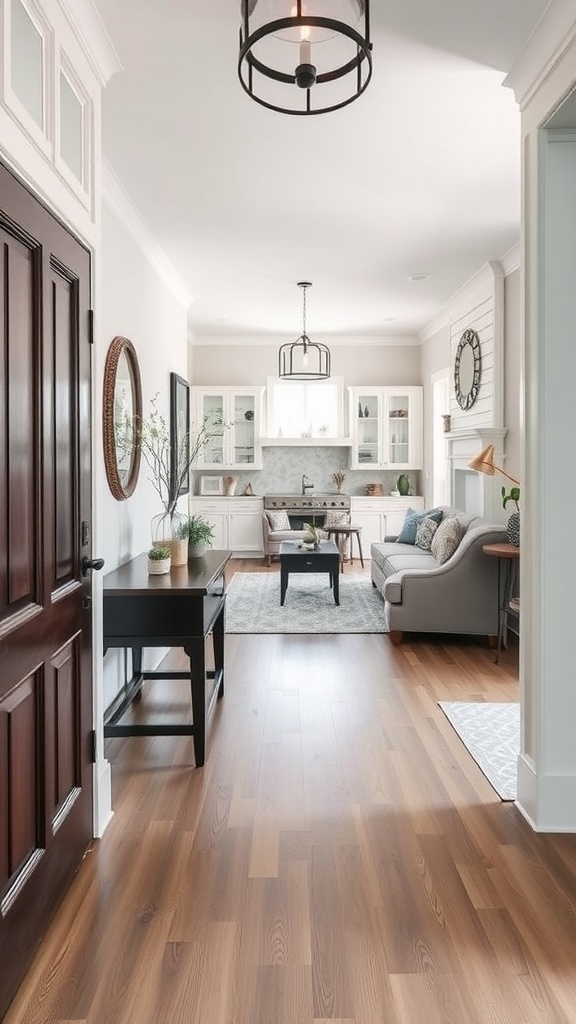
[45,621]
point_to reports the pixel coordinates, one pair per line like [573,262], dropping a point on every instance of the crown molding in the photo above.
[119,201]
[462,300]
[510,261]
[93,38]
[553,35]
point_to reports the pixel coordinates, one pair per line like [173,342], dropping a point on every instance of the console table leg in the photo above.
[218,641]
[197,655]
[137,668]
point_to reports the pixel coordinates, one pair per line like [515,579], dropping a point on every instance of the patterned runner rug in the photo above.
[491,733]
[253,605]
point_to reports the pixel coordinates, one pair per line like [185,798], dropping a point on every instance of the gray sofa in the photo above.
[460,596]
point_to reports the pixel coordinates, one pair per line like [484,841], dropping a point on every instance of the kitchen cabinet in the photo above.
[386,425]
[237,522]
[380,517]
[233,417]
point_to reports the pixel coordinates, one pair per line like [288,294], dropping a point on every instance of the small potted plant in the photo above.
[159,560]
[513,523]
[313,536]
[199,533]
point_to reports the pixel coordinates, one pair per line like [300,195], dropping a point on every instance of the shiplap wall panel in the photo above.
[479,318]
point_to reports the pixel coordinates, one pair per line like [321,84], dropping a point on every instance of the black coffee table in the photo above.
[294,558]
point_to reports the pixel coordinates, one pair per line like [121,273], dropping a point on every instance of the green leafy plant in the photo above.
[157,554]
[313,534]
[512,495]
[197,530]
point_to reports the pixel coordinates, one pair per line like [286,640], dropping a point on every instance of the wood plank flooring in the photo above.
[340,859]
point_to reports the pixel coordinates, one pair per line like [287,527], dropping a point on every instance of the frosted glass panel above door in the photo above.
[71,129]
[27,60]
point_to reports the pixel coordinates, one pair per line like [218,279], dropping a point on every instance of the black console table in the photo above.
[180,609]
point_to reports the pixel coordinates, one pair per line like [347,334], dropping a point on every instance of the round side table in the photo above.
[510,556]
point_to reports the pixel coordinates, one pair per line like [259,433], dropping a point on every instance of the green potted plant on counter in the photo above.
[159,560]
[199,534]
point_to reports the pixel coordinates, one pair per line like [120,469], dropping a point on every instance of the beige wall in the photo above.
[358,364]
[513,417]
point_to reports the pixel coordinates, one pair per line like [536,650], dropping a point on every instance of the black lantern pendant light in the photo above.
[304,359]
[305,56]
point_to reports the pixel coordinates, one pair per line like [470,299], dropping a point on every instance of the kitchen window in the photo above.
[305,409]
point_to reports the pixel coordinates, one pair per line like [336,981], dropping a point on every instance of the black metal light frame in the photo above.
[249,66]
[302,347]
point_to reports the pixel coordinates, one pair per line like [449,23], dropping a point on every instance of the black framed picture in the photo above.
[179,435]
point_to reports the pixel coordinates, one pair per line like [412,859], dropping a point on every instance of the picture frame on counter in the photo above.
[211,485]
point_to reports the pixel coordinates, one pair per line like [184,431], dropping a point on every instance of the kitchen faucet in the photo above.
[306,485]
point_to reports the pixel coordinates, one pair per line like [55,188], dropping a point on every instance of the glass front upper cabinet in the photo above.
[243,427]
[367,430]
[232,416]
[212,414]
[386,425]
[398,433]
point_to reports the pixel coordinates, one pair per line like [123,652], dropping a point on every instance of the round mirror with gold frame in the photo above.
[122,412]
[467,368]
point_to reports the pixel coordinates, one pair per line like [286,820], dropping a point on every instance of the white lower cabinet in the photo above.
[237,522]
[381,517]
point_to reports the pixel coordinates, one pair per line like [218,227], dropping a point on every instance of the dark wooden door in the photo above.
[45,618]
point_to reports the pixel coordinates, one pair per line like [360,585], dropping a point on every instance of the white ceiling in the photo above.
[421,174]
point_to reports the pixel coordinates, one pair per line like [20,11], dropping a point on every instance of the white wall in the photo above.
[434,356]
[135,302]
[513,418]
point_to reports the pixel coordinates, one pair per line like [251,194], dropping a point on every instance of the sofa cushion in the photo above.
[446,539]
[407,534]
[424,534]
[391,556]
[279,535]
[278,520]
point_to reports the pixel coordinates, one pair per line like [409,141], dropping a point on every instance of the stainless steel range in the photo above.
[306,507]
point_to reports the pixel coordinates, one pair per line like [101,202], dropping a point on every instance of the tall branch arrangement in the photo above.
[153,435]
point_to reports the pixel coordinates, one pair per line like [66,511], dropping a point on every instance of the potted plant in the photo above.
[313,535]
[159,560]
[513,523]
[198,533]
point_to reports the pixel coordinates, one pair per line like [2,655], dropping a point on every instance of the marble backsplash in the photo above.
[282,471]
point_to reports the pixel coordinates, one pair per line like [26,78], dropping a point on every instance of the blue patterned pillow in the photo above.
[412,521]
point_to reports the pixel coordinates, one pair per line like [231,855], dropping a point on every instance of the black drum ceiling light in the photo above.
[305,56]
[304,359]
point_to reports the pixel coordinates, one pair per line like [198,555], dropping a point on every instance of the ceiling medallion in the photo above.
[304,359]
[305,56]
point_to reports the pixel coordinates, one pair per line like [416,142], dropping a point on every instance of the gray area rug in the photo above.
[491,733]
[253,605]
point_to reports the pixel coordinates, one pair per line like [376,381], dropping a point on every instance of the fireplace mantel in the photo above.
[471,491]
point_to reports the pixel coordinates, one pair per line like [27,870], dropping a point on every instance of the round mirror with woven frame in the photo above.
[122,412]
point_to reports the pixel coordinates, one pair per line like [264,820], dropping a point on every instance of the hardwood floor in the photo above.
[340,858]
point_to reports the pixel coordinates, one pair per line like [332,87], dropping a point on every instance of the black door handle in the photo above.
[91,563]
